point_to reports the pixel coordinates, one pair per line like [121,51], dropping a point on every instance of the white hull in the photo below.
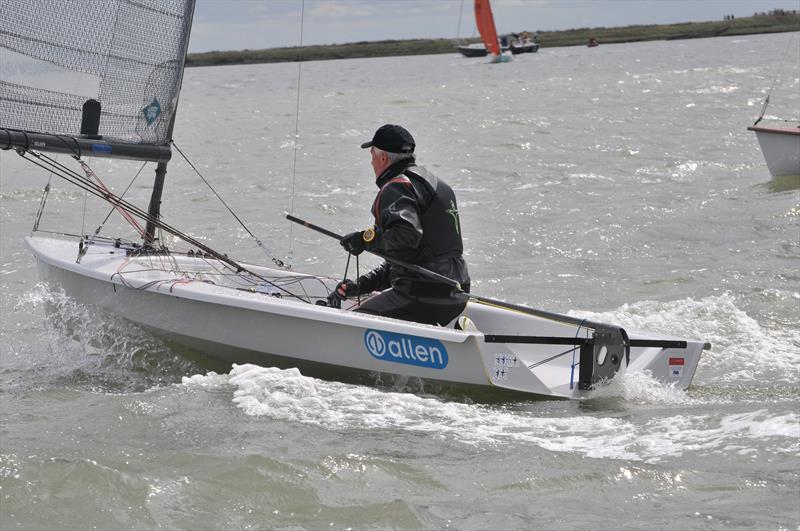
[781,149]
[244,326]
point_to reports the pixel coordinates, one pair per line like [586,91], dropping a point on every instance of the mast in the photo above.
[154,209]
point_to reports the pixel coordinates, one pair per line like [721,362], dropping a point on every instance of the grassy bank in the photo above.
[771,23]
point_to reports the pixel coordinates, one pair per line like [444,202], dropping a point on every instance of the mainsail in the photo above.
[128,55]
[485,21]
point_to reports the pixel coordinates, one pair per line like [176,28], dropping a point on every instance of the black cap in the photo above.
[392,138]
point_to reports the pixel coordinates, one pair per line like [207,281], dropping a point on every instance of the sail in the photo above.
[485,22]
[126,54]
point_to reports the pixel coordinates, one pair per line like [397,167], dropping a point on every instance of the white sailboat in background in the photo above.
[781,148]
[245,313]
[780,144]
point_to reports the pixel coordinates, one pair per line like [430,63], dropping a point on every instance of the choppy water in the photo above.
[618,183]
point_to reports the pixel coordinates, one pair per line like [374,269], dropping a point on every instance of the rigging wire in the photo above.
[101,185]
[45,193]
[86,184]
[269,253]
[100,227]
[772,87]
[460,13]
[296,127]
[83,218]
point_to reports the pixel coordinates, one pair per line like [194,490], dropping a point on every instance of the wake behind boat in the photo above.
[248,313]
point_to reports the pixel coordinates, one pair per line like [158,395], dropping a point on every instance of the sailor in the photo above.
[416,221]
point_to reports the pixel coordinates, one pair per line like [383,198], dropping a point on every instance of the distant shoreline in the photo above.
[773,22]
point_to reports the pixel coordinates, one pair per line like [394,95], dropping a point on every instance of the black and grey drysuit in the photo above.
[416,221]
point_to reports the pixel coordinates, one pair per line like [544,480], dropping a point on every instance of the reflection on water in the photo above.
[784,183]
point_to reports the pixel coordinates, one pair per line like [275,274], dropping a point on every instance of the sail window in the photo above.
[31,72]
[126,54]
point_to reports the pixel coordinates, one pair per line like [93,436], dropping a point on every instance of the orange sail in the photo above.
[485,21]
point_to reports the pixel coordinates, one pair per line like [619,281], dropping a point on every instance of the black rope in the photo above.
[358,289]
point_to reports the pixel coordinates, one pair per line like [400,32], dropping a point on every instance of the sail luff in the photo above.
[485,21]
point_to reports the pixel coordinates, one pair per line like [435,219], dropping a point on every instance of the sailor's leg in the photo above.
[390,303]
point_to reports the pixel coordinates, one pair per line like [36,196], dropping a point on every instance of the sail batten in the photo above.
[126,54]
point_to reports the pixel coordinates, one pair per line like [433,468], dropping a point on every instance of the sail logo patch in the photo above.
[152,112]
[402,348]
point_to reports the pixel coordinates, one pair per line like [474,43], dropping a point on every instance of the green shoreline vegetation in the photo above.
[776,21]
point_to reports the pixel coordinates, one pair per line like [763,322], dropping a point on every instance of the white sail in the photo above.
[126,54]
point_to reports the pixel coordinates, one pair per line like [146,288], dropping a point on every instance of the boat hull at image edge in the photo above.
[781,149]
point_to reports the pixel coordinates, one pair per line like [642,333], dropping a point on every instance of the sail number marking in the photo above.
[676,367]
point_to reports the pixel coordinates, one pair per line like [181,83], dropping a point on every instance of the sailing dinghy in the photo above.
[248,313]
[485,21]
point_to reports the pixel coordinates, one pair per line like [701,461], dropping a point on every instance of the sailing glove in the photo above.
[355,242]
[344,289]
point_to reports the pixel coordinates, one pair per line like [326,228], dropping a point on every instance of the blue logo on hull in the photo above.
[411,350]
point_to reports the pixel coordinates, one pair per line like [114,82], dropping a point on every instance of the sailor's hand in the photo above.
[345,288]
[354,243]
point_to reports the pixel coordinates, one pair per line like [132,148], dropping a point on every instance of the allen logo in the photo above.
[401,348]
